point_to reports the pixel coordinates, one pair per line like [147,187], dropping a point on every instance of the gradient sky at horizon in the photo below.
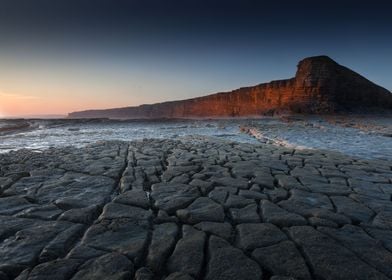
[62,56]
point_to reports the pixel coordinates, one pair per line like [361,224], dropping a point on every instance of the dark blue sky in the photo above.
[105,53]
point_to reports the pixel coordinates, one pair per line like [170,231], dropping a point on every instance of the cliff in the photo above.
[320,86]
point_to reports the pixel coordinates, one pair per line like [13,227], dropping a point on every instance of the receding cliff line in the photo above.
[320,86]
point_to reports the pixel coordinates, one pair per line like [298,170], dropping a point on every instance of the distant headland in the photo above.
[320,86]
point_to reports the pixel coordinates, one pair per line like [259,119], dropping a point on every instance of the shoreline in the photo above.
[168,209]
[359,136]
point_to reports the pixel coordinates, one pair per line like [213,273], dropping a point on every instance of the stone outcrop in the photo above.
[320,86]
[115,210]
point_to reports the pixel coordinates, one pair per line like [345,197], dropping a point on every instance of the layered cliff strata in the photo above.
[320,86]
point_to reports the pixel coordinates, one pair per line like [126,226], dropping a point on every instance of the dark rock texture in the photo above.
[69,218]
[319,86]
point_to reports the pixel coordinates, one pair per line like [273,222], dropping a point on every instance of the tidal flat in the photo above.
[363,136]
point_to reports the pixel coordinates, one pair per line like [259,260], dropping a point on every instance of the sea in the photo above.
[367,137]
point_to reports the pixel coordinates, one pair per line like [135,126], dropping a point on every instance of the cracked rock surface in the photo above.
[193,209]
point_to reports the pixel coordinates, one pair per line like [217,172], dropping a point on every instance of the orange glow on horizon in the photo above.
[15,104]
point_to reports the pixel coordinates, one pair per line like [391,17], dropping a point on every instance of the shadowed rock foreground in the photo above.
[198,209]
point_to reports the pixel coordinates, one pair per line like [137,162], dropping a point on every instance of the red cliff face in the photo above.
[320,86]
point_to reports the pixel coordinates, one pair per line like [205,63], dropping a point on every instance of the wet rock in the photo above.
[272,213]
[282,259]
[332,173]
[5,183]
[136,198]
[3,276]
[252,236]
[126,183]
[328,259]
[214,171]
[179,276]
[222,256]
[255,188]
[384,236]
[11,225]
[329,189]
[223,230]
[162,243]
[368,189]
[27,186]
[202,209]
[68,203]
[171,197]
[312,180]
[24,275]
[252,194]
[59,246]
[204,186]
[230,190]
[283,186]
[276,194]
[84,215]
[79,189]
[308,211]
[365,247]
[383,220]
[264,180]
[247,214]
[144,273]
[218,196]
[110,266]
[117,211]
[163,217]
[13,204]
[124,236]
[306,171]
[236,201]
[279,277]
[337,181]
[328,215]
[244,169]
[376,204]
[46,212]
[315,221]
[82,252]
[386,188]
[22,250]
[54,270]
[173,171]
[311,199]
[188,255]
[288,182]
[231,182]
[182,179]
[355,211]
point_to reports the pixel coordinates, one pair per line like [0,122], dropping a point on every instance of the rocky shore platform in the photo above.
[193,209]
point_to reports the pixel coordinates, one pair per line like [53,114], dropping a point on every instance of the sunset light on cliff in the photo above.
[99,54]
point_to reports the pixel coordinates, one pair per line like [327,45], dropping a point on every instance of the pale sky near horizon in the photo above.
[62,56]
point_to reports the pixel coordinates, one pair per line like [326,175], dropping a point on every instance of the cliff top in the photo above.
[320,85]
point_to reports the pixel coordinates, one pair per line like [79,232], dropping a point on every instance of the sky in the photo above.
[62,56]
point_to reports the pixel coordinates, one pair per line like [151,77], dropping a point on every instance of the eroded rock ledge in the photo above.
[163,209]
[320,86]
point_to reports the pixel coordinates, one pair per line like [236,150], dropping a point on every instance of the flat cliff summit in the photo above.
[320,86]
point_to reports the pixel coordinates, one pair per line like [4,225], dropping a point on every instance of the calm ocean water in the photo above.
[362,137]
